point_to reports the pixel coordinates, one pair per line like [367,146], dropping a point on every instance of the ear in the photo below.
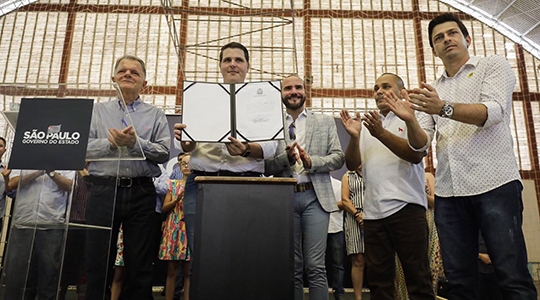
[113,79]
[144,83]
[434,52]
[468,41]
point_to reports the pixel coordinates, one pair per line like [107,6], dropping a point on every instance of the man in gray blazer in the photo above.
[310,151]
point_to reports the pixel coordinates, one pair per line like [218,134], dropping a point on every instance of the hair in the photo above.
[398,80]
[131,57]
[234,45]
[446,17]
[4,140]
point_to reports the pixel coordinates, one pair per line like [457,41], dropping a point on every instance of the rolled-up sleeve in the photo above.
[497,88]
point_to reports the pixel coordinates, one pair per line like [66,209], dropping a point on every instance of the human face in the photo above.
[388,83]
[184,165]
[129,76]
[292,93]
[233,66]
[449,43]
[2,148]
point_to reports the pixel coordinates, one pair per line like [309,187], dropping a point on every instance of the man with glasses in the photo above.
[312,151]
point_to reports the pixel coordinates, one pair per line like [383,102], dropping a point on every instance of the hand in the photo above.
[292,155]
[484,257]
[304,157]
[359,217]
[372,121]
[426,99]
[402,108]
[180,196]
[352,126]
[178,127]
[6,173]
[235,147]
[124,137]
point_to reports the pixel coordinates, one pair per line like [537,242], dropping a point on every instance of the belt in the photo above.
[226,173]
[302,187]
[118,181]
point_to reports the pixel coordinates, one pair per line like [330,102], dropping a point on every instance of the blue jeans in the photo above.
[33,263]
[336,249]
[310,231]
[498,216]
[190,209]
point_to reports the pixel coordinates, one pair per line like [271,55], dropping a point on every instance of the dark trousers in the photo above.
[33,263]
[405,233]
[497,214]
[335,251]
[134,207]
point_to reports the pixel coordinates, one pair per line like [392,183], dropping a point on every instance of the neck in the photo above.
[130,97]
[295,112]
[453,66]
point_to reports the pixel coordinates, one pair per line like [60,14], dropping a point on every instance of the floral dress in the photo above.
[173,244]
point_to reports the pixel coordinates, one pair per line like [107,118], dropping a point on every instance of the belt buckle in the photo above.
[121,182]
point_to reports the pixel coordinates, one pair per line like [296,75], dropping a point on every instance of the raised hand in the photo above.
[372,121]
[426,99]
[402,108]
[351,125]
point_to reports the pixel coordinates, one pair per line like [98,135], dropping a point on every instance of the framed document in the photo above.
[249,112]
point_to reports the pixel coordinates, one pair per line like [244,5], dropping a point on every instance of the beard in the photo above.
[293,106]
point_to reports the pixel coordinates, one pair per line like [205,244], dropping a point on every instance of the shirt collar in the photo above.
[302,114]
[133,105]
[473,62]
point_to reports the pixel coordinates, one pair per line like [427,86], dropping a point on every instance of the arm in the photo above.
[353,128]
[398,146]
[328,160]
[170,201]
[346,202]
[430,190]
[27,179]
[156,148]
[5,174]
[495,96]
[62,182]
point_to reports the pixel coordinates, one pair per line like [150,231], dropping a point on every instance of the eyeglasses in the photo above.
[292,134]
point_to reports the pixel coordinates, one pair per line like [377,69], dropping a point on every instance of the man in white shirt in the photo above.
[222,159]
[478,185]
[395,200]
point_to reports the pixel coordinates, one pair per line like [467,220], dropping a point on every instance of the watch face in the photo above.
[448,110]
[51,174]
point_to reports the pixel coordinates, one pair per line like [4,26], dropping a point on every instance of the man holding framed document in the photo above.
[236,157]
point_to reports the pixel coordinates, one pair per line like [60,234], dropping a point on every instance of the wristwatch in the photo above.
[247,152]
[447,110]
[51,174]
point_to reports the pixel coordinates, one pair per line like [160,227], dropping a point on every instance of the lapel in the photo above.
[310,125]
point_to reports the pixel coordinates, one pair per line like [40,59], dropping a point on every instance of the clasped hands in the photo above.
[125,137]
[296,154]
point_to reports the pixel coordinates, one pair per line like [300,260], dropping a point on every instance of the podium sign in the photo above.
[51,134]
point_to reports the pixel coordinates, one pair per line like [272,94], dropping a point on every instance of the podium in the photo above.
[244,243]
[50,228]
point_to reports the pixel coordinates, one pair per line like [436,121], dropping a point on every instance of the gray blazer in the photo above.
[324,148]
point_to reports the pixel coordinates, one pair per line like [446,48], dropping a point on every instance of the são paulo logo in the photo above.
[52,136]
